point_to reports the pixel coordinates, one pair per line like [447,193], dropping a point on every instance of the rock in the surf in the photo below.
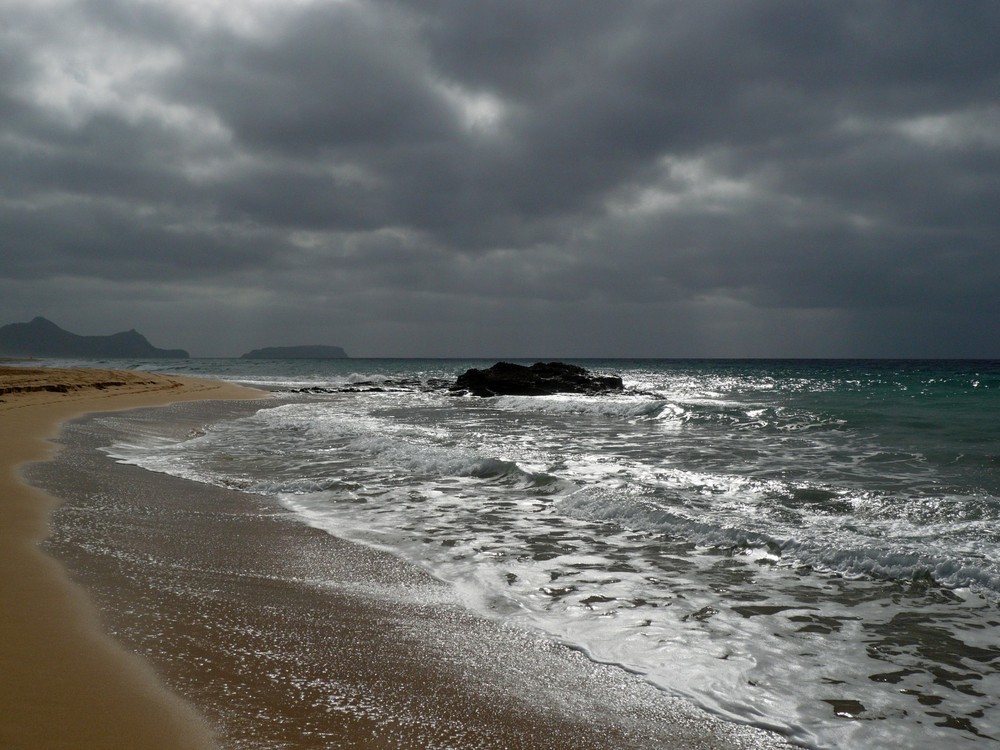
[540,379]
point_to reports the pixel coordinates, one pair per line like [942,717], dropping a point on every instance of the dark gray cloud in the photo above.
[506,178]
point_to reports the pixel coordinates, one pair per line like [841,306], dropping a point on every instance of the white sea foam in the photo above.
[827,552]
[640,516]
[755,539]
[605,406]
[434,460]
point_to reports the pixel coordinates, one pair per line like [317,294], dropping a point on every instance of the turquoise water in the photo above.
[812,546]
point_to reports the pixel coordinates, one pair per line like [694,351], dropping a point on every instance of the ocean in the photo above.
[809,546]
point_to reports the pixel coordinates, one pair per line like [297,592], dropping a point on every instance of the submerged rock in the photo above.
[540,379]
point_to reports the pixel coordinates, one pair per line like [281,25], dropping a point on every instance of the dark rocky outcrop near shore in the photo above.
[540,379]
[314,351]
[503,378]
[43,338]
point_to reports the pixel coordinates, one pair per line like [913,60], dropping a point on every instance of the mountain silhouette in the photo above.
[43,338]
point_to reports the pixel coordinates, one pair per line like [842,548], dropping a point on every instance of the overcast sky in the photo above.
[502,178]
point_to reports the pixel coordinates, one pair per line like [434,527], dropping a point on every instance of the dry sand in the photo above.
[277,635]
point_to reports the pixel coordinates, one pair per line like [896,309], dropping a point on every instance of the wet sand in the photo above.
[278,635]
[65,684]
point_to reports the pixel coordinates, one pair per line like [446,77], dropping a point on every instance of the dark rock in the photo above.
[540,379]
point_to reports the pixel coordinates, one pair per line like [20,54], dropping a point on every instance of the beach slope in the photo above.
[65,684]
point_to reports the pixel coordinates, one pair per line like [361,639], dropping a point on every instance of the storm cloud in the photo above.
[506,178]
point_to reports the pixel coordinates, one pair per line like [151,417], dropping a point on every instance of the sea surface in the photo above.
[811,546]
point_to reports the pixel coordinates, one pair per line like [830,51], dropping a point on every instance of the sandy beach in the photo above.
[65,683]
[162,613]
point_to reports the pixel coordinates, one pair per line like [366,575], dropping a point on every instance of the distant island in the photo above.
[314,351]
[43,338]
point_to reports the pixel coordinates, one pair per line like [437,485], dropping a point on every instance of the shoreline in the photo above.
[66,684]
[278,634]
